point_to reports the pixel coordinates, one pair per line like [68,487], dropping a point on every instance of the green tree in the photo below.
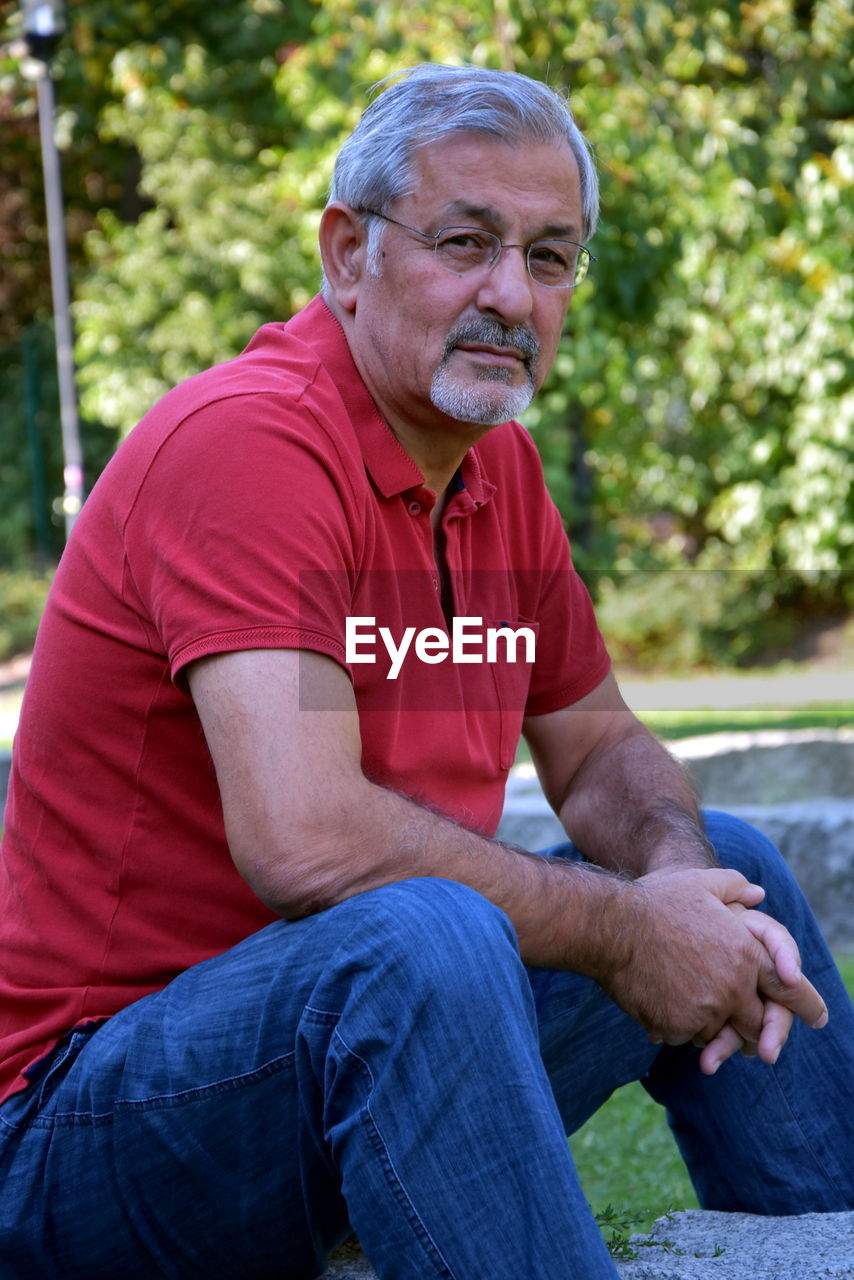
[697,421]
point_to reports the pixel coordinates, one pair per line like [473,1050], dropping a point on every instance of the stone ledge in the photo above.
[769,766]
[349,1263]
[699,1245]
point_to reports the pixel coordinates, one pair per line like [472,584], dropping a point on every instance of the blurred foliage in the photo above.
[22,597]
[32,526]
[690,617]
[697,427]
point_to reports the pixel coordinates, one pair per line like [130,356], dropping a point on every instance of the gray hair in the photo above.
[375,165]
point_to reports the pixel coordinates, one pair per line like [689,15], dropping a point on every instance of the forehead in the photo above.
[473,177]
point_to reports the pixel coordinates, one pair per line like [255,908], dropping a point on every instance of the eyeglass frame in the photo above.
[491,262]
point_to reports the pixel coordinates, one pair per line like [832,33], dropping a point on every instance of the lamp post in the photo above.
[44,24]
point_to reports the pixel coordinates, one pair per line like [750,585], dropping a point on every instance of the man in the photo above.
[266,976]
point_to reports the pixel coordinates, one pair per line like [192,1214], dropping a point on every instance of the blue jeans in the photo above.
[391,1064]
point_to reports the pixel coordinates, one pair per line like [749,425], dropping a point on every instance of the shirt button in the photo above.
[414,508]
[435,584]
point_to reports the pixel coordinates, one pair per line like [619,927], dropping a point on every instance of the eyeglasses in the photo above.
[557,264]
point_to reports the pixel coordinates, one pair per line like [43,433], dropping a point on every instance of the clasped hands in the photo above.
[700,964]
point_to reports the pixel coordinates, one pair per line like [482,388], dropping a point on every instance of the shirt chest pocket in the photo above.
[510,654]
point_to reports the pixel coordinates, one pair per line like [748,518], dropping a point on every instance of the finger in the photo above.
[784,983]
[747,1014]
[720,1047]
[803,1001]
[749,896]
[779,944]
[776,1026]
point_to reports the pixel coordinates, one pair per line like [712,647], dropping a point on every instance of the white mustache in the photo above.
[493,334]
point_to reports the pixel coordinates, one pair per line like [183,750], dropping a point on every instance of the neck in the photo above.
[438,455]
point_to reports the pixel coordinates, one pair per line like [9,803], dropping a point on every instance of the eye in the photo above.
[551,253]
[554,262]
[465,248]
[465,239]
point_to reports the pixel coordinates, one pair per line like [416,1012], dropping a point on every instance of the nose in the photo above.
[507,290]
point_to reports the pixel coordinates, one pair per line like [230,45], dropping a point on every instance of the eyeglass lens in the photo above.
[556,263]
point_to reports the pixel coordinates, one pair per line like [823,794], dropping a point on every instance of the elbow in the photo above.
[299,855]
[299,877]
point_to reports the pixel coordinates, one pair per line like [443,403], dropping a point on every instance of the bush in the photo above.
[22,598]
[682,619]
[31,458]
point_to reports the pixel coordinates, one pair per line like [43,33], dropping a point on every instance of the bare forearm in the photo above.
[560,911]
[666,947]
[632,809]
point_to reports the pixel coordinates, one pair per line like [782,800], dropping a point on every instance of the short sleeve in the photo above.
[243,497]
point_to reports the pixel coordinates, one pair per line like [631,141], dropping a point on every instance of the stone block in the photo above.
[349,1263]
[770,766]
[701,1245]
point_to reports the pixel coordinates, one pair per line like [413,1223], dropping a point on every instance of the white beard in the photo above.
[488,402]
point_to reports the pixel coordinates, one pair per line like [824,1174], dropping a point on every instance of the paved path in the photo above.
[790,689]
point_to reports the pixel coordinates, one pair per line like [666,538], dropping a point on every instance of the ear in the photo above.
[343,245]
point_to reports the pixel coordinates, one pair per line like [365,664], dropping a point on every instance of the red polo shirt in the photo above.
[259,505]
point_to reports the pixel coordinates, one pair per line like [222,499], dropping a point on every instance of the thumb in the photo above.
[731,886]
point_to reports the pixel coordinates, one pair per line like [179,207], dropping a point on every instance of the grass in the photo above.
[699,720]
[626,1157]
[691,722]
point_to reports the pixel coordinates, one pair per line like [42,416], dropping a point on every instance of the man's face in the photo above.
[434,346]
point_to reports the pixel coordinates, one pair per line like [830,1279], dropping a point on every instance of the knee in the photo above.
[430,915]
[439,937]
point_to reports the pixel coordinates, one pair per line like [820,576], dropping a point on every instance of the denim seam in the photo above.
[394,1180]
[159,1102]
[807,1141]
[321,1015]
